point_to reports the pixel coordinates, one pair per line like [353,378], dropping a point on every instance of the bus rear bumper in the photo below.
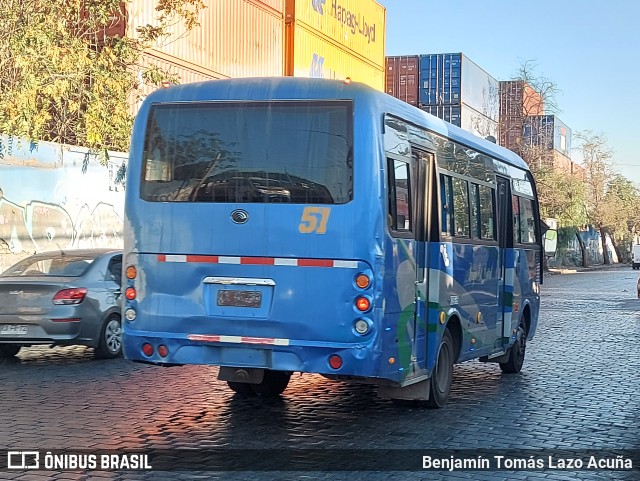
[294,356]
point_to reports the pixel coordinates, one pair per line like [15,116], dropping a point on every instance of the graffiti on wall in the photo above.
[41,226]
[54,196]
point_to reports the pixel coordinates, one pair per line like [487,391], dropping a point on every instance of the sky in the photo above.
[590,49]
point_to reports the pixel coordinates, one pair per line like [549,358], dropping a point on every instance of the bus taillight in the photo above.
[363,281]
[335,362]
[132,272]
[130,293]
[363,304]
[147,349]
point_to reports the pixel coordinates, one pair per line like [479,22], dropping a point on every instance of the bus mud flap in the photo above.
[418,391]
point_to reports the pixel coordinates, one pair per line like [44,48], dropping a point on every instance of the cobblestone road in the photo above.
[578,391]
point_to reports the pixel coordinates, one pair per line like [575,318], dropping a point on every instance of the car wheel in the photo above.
[110,338]
[442,376]
[516,352]
[9,350]
[273,384]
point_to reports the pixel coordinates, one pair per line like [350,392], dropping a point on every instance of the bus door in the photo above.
[423,162]
[505,241]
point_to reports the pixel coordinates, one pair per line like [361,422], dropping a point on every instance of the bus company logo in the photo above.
[23,460]
[318,6]
[355,22]
[239,216]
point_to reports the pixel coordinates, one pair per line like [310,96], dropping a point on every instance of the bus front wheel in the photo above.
[442,376]
[516,352]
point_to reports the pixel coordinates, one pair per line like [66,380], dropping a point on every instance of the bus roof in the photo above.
[290,88]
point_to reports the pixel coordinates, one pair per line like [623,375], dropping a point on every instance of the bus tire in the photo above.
[442,376]
[242,388]
[273,383]
[516,352]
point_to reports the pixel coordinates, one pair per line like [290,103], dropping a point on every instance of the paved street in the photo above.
[578,391]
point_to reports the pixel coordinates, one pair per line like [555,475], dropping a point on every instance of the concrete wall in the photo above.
[47,202]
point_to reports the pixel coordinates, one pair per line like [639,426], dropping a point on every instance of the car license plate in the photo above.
[239,298]
[13,330]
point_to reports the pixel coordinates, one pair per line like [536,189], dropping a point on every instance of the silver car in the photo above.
[63,298]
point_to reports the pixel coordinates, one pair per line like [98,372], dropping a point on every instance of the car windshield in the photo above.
[57,265]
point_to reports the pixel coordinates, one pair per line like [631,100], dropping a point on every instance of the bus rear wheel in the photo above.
[242,388]
[273,383]
[442,376]
[516,352]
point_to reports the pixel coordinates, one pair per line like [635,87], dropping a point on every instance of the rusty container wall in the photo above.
[235,38]
[517,101]
[182,73]
[402,78]
[315,57]
[339,39]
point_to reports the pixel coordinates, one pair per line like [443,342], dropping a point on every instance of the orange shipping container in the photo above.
[235,38]
[256,38]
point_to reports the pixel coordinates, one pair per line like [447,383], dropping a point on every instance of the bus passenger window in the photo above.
[400,205]
[515,204]
[461,207]
[475,211]
[527,221]
[446,200]
[487,223]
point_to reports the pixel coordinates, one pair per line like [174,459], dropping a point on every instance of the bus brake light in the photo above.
[363,304]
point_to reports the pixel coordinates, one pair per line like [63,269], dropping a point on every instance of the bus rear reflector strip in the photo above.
[271,261]
[238,339]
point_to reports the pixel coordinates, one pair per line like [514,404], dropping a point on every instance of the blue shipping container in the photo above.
[548,131]
[453,79]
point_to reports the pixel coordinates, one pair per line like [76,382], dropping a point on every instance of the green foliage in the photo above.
[561,195]
[64,81]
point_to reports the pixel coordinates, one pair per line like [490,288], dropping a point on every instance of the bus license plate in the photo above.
[240,298]
[13,330]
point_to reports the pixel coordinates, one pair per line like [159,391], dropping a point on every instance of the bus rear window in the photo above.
[266,152]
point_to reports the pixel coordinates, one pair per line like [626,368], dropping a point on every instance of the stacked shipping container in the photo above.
[518,100]
[258,38]
[449,86]
[403,78]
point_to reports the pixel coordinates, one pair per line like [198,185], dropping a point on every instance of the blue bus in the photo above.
[281,225]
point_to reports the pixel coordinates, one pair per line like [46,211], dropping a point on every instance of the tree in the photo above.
[596,159]
[522,98]
[621,212]
[65,79]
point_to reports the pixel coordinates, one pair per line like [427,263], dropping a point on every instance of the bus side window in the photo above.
[527,221]
[400,203]
[487,222]
[515,204]
[446,200]
[474,197]
[461,207]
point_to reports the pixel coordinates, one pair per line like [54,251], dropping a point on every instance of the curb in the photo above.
[574,270]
